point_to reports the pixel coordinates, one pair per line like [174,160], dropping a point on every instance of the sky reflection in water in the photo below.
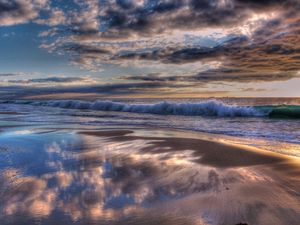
[67,178]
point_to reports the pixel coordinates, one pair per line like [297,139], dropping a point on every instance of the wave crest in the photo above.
[207,108]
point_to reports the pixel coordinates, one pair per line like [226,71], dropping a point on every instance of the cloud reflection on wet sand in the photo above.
[115,177]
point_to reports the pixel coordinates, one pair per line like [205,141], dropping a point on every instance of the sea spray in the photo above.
[214,108]
[205,108]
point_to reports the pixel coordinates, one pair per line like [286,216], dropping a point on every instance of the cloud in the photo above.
[55,80]
[129,19]
[252,41]
[117,89]
[49,33]
[14,12]
[10,74]
[215,75]
[122,32]
[182,54]
[56,17]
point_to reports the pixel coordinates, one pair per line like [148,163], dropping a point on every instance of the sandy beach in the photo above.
[130,176]
[149,112]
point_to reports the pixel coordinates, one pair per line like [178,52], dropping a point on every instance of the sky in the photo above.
[149,48]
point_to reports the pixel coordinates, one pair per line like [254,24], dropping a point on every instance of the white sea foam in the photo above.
[206,108]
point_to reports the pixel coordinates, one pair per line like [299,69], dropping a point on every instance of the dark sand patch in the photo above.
[284,169]
[206,152]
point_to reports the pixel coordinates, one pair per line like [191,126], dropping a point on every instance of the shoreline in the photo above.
[137,176]
[207,150]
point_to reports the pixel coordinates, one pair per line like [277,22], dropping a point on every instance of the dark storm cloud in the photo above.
[183,54]
[50,80]
[261,52]
[216,75]
[242,76]
[85,49]
[123,19]
[17,91]
[155,16]
[272,48]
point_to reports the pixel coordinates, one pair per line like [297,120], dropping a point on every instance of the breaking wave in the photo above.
[206,108]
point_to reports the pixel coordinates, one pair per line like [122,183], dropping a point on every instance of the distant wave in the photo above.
[281,111]
[207,108]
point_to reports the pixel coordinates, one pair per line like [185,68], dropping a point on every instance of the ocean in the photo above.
[259,122]
[150,161]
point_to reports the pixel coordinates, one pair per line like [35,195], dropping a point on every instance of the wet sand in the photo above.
[205,152]
[132,177]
